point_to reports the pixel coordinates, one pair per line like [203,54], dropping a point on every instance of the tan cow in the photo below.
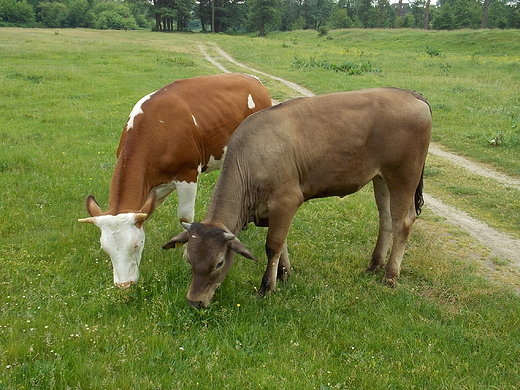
[170,137]
[328,145]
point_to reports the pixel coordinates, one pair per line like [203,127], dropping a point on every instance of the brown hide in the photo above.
[328,145]
[165,144]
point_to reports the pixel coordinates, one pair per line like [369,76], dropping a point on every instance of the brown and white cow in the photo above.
[170,137]
[328,145]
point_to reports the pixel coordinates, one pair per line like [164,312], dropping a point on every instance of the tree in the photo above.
[291,18]
[14,12]
[79,14]
[498,15]
[421,12]
[427,15]
[52,15]
[485,8]
[263,14]
[339,18]
[113,15]
[385,14]
[467,14]
[365,13]
[444,20]
[141,9]
[203,13]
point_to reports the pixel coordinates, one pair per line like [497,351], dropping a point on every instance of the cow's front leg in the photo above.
[281,213]
[186,193]
[284,266]
[271,272]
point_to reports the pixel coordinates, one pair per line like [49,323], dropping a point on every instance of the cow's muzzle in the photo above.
[198,304]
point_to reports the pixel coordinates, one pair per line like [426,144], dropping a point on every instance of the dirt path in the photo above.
[475,168]
[499,244]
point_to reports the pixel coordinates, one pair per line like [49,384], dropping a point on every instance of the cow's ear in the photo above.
[241,249]
[149,205]
[179,240]
[92,206]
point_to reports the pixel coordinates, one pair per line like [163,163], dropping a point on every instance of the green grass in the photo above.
[63,101]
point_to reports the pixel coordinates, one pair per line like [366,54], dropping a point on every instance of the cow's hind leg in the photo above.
[284,266]
[402,222]
[403,213]
[382,196]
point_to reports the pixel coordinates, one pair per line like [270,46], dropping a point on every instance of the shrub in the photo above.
[52,15]
[322,31]
[14,12]
[346,67]
[432,52]
[115,16]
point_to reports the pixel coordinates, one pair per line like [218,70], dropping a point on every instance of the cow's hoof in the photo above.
[373,268]
[390,282]
[283,275]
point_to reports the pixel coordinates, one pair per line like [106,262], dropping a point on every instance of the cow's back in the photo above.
[311,140]
[175,132]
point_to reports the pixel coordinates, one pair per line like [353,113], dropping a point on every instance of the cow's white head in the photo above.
[122,238]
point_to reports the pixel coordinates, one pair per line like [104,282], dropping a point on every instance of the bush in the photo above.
[115,16]
[79,14]
[322,31]
[433,52]
[346,67]
[14,12]
[339,18]
[52,15]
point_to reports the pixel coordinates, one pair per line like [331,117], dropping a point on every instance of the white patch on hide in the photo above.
[186,193]
[252,75]
[137,110]
[162,191]
[214,164]
[195,121]
[250,102]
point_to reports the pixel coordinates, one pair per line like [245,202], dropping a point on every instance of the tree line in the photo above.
[260,15]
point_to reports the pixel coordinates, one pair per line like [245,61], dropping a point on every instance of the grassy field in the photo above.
[64,97]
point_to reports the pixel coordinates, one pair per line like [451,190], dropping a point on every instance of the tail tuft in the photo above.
[419,200]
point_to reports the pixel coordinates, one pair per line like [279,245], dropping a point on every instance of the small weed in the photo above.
[497,141]
[445,69]
[432,52]
[175,61]
[346,67]
[33,78]
[322,31]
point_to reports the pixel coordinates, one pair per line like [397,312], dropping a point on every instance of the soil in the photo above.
[500,245]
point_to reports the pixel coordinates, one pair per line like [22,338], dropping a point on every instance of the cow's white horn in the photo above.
[186,225]
[140,216]
[229,236]
[87,220]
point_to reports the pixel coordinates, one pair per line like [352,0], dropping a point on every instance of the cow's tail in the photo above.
[419,200]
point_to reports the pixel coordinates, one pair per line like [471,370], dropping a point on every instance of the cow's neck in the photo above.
[229,207]
[129,188]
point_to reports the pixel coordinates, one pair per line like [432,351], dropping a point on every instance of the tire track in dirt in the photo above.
[499,244]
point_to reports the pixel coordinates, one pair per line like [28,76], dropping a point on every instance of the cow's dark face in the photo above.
[210,253]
